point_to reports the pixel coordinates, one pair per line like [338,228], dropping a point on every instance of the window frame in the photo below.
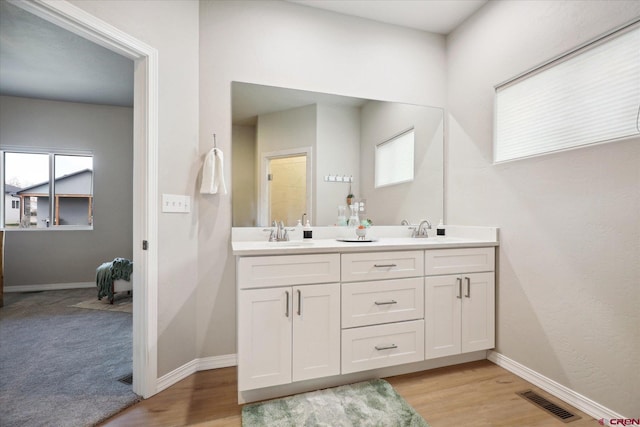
[51,153]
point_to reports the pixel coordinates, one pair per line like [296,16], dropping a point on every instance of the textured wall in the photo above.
[569,222]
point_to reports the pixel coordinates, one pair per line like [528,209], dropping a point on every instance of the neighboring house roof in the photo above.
[12,189]
[82,178]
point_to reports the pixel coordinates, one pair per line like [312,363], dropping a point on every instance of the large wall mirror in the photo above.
[298,153]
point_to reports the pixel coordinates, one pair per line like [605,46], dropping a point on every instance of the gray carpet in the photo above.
[60,365]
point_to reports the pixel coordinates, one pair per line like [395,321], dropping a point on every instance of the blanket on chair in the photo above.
[106,273]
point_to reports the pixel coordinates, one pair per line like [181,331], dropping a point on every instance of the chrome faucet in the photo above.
[404,222]
[421,230]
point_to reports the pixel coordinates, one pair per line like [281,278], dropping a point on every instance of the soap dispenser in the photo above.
[307,231]
[440,229]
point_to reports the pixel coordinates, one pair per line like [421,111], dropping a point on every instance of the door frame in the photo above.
[263,196]
[145,165]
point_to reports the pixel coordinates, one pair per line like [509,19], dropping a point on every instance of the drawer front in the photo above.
[382,265]
[384,301]
[380,346]
[455,261]
[269,271]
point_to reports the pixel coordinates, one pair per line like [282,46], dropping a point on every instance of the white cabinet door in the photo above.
[478,312]
[316,331]
[264,337]
[442,316]
[459,314]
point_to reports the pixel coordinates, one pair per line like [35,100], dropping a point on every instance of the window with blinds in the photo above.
[588,96]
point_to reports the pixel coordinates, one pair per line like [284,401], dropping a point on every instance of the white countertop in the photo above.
[469,237]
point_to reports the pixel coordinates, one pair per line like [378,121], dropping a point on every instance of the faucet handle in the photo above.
[285,234]
[272,234]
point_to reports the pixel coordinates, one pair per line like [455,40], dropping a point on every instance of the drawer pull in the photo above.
[299,302]
[386,347]
[459,296]
[385,265]
[385,302]
[468,294]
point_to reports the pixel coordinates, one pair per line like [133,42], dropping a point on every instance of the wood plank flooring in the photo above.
[478,394]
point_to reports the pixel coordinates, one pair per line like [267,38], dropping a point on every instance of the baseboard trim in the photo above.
[49,287]
[203,364]
[573,398]
[217,362]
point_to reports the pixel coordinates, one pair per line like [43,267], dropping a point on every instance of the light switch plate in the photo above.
[176,203]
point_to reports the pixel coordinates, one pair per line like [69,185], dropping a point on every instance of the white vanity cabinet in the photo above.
[288,333]
[318,314]
[459,303]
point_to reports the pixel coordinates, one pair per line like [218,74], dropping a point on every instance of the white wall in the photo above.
[568,292]
[243,170]
[35,257]
[171,26]
[337,153]
[282,44]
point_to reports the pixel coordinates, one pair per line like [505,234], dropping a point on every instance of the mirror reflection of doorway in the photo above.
[287,188]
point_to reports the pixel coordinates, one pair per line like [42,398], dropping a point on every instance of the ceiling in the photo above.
[434,16]
[41,60]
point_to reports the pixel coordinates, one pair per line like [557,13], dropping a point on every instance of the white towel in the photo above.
[213,173]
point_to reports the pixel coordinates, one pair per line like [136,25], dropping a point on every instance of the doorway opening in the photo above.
[286,186]
[145,143]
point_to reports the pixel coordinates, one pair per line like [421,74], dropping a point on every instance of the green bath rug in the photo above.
[369,403]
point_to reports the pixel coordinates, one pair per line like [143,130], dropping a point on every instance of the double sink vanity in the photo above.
[318,313]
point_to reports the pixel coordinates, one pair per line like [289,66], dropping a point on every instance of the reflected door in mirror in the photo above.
[287,188]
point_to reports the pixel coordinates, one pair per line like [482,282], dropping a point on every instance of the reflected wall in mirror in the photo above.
[336,138]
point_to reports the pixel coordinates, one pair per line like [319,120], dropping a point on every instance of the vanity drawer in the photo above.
[384,301]
[379,346]
[382,265]
[454,261]
[270,271]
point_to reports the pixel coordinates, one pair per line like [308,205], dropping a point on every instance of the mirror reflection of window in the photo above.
[394,160]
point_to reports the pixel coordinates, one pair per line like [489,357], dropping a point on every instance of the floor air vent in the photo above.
[555,410]
[127,379]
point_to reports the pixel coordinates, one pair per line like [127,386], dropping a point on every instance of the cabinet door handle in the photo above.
[385,265]
[299,302]
[286,313]
[385,347]
[459,296]
[468,294]
[385,302]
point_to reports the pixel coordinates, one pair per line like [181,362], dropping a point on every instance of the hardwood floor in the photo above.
[477,394]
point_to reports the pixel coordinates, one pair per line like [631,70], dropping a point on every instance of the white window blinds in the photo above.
[588,97]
